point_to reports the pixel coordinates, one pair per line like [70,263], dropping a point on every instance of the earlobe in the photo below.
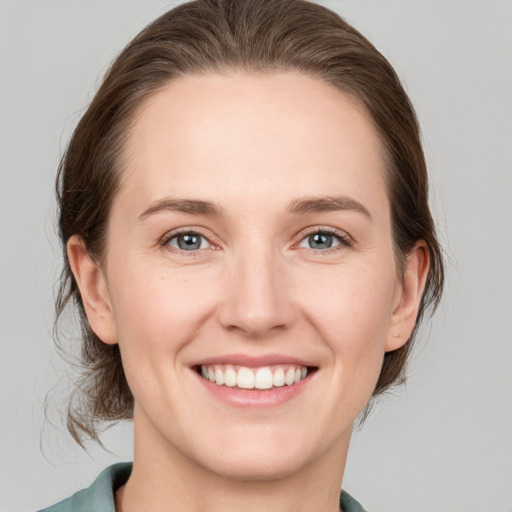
[405,313]
[92,284]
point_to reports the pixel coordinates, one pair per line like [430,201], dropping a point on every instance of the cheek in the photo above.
[351,309]
[352,299]
[160,310]
[157,313]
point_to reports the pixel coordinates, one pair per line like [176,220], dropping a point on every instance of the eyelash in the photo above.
[170,236]
[344,240]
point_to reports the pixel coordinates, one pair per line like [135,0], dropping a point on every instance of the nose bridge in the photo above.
[256,298]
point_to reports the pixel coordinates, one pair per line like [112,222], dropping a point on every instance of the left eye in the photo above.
[320,240]
[189,241]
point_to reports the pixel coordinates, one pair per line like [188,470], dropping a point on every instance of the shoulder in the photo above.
[99,497]
[349,504]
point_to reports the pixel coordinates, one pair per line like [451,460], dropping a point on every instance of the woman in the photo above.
[247,237]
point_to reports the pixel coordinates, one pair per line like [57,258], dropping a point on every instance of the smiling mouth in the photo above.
[262,378]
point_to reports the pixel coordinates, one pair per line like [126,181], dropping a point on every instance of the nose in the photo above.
[256,300]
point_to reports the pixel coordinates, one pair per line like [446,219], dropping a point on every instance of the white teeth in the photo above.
[289,378]
[245,378]
[262,378]
[278,379]
[230,377]
[219,376]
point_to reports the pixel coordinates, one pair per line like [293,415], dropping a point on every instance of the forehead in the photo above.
[283,134]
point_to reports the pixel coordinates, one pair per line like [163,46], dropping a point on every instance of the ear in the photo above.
[93,290]
[403,318]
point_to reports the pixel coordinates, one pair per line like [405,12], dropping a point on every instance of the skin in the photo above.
[251,144]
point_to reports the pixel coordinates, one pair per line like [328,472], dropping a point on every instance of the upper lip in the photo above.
[252,361]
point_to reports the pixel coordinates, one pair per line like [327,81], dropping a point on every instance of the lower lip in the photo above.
[254,398]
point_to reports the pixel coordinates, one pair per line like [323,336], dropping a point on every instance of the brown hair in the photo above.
[206,36]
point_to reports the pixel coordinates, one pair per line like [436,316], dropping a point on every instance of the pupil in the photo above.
[189,242]
[320,241]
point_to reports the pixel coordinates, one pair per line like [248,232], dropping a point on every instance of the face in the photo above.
[249,276]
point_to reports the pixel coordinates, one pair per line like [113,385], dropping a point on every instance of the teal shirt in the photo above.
[99,497]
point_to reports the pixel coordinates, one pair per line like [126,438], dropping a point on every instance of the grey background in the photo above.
[441,443]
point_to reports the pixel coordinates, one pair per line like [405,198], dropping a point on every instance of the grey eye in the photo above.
[188,242]
[319,241]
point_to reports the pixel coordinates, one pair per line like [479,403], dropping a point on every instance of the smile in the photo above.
[263,378]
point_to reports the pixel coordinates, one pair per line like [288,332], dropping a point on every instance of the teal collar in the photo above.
[99,497]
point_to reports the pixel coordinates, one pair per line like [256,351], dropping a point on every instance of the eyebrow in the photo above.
[190,206]
[299,206]
[315,204]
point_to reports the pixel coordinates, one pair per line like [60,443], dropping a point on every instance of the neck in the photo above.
[164,479]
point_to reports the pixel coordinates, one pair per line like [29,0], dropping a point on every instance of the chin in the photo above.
[255,467]
[255,458]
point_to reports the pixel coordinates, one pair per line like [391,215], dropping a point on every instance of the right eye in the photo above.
[188,241]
